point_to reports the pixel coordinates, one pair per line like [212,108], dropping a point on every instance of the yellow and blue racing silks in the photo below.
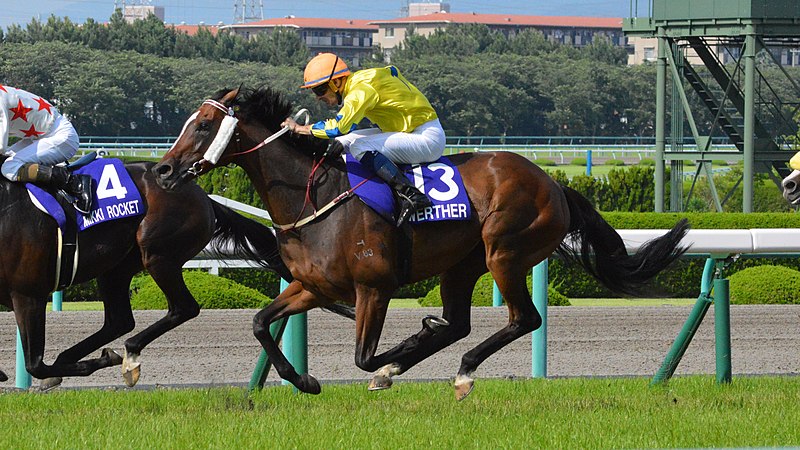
[383,96]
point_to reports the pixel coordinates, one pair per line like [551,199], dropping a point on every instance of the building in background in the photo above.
[423,8]
[131,12]
[352,40]
[576,31]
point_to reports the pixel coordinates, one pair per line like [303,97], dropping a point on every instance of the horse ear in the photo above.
[231,96]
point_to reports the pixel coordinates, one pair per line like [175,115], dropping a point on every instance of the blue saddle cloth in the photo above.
[115,196]
[440,181]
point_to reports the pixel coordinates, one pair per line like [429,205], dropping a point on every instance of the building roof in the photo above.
[508,20]
[308,22]
[192,30]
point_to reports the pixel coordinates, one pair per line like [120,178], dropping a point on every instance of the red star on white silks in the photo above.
[20,112]
[43,104]
[3,88]
[32,132]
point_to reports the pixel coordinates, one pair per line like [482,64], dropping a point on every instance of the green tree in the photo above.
[280,48]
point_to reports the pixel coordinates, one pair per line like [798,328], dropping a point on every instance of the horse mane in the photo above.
[269,108]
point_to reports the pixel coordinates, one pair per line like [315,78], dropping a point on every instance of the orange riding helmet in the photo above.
[323,68]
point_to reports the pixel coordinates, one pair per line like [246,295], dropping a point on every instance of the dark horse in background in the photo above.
[349,253]
[175,228]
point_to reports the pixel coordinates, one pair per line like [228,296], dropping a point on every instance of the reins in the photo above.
[277,134]
[196,170]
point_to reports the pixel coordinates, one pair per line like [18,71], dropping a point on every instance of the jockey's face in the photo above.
[330,96]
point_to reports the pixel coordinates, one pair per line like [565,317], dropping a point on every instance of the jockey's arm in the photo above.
[354,107]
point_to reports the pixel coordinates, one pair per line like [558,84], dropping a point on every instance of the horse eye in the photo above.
[204,126]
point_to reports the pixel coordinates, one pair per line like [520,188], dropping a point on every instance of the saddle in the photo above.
[440,181]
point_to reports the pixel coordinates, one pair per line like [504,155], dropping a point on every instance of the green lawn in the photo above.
[574,413]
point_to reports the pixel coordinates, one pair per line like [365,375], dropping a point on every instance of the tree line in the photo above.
[145,78]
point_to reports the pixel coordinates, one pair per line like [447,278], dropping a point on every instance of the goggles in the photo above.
[320,90]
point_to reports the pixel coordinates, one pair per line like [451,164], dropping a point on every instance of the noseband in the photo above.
[226,130]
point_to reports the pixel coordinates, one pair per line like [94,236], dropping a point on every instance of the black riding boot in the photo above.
[411,199]
[79,187]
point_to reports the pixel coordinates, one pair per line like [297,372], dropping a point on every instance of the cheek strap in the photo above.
[221,140]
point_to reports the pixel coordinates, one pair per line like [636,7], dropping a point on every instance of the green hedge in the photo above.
[265,281]
[765,285]
[210,291]
[701,221]
[484,292]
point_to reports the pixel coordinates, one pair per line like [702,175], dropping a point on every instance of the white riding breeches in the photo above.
[424,144]
[56,146]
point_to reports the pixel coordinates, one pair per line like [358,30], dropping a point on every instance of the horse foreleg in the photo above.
[30,315]
[114,290]
[182,307]
[293,300]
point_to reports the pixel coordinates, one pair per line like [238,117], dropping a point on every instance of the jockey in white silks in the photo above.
[46,139]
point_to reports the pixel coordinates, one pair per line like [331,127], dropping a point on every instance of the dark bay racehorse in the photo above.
[349,253]
[175,228]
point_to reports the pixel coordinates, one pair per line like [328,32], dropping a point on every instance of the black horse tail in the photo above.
[238,236]
[254,241]
[594,244]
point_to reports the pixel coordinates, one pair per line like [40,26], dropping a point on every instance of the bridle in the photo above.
[220,142]
[217,146]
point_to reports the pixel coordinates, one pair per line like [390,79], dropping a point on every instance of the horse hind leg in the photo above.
[456,286]
[118,320]
[30,315]
[522,319]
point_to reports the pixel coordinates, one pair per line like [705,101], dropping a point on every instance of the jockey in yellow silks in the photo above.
[408,129]
[46,139]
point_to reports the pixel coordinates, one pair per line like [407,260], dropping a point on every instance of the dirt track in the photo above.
[218,347]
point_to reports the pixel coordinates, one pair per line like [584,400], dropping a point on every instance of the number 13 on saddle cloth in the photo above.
[439,180]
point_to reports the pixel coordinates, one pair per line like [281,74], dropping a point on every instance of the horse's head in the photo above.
[791,184]
[204,139]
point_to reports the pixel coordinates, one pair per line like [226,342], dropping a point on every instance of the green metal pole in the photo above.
[497,298]
[722,329]
[276,330]
[263,364]
[689,329]
[749,118]
[661,105]
[23,378]
[539,336]
[58,298]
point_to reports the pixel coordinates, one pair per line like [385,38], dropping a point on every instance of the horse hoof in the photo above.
[114,357]
[463,387]
[434,323]
[131,376]
[131,369]
[309,384]
[50,383]
[379,383]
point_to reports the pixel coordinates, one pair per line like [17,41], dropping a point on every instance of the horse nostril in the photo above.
[162,170]
[789,186]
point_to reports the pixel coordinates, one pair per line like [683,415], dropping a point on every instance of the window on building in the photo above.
[649,53]
[389,32]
